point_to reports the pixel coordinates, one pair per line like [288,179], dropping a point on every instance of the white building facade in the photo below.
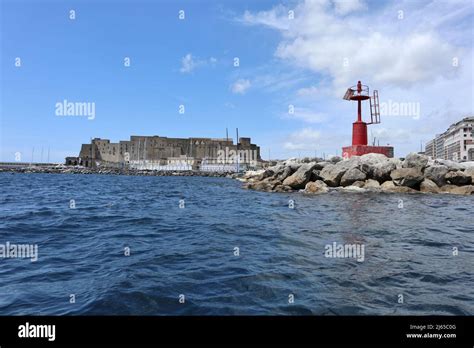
[456,144]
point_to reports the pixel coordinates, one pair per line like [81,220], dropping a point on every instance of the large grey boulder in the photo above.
[415,160]
[290,161]
[467,165]
[299,179]
[470,172]
[262,186]
[458,190]
[458,178]
[269,172]
[429,186]
[450,164]
[295,166]
[378,166]
[282,188]
[381,171]
[358,183]
[372,184]
[389,186]
[404,189]
[252,174]
[436,173]
[332,173]
[351,176]
[353,162]
[286,172]
[398,163]
[315,175]
[409,177]
[316,187]
[278,169]
[372,159]
[320,165]
[335,159]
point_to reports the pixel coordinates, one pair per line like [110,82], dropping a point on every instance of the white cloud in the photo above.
[304,139]
[308,91]
[306,115]
[322,90]
[240,86]
[189,63]
[271,18]
[321,40]
[388,136]
[275,80]
[343,7]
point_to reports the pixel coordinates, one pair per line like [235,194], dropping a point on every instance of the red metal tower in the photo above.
[359,146]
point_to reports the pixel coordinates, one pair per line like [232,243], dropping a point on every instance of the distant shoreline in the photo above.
[371,172]
[113,171]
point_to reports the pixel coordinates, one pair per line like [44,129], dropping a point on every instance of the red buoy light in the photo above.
[359,146]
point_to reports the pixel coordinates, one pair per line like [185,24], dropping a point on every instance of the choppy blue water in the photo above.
[190,250]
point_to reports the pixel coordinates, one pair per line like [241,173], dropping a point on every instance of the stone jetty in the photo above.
[61,169]
[372,172]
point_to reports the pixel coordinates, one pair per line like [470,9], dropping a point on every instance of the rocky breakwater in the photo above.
[60,169]
[372,172]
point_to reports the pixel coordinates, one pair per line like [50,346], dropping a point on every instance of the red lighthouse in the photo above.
[359,146]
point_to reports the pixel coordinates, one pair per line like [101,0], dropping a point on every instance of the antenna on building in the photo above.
[227,134]
[238,154]
[144,152]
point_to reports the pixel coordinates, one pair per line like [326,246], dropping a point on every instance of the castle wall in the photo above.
[156,148]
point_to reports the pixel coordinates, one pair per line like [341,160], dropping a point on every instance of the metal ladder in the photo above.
[374,108]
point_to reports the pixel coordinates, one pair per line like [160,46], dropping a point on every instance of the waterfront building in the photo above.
[456,143]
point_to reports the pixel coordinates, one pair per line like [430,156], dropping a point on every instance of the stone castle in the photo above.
[156,152]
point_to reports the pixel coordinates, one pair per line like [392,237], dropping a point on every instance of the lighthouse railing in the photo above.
[352,91]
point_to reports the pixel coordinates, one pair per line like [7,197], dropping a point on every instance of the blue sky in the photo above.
[305,61]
